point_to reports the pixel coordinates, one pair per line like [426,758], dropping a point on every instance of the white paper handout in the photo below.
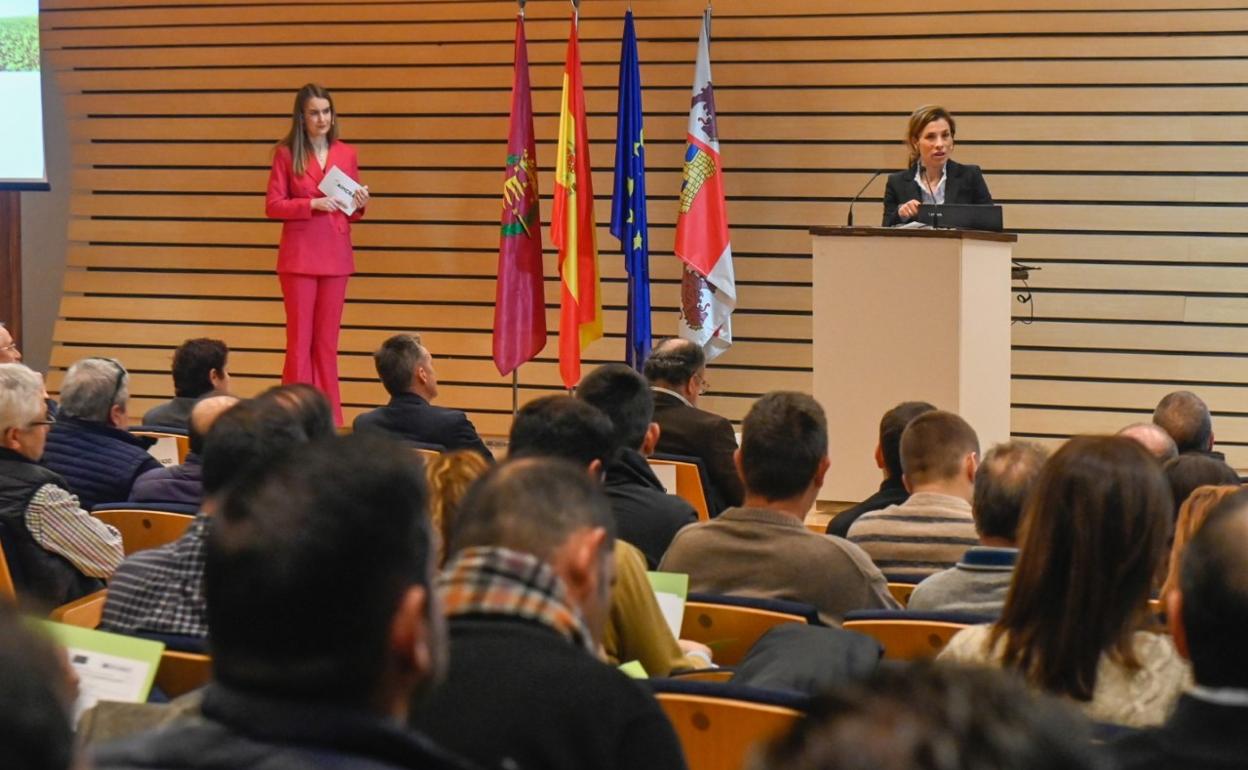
[341,188]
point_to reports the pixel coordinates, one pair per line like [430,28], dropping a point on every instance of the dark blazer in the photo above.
[687,430]
[1198,736]
[963,184]
[645,515]
[410,417]
[892,492]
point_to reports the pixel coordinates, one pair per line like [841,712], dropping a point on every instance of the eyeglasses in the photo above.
[704,385]
[9,348]
[49,420]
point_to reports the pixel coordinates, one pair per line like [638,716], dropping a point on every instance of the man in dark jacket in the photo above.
[89,445]
[56,551]
[319,640]
[527,594]
[406,369]
[198,372]
[645,515]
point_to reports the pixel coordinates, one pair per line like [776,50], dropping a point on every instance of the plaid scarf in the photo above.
[496,581]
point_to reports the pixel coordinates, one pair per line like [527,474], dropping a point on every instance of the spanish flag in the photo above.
[572,226]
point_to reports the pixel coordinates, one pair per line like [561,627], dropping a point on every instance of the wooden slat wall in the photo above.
[1113,131]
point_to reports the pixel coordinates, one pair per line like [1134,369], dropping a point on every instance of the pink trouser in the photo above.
[313,317]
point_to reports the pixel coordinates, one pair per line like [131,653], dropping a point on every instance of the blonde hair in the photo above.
[296,140]
[450,474]
[1192,514]
[919,120]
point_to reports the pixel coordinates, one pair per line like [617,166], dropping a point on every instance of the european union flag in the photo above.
[628,203]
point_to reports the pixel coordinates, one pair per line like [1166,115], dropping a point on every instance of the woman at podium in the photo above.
[314,258]
[932,176]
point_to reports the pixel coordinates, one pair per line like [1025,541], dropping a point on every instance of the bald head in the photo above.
[203,415]
[1153,438]
[1184,416]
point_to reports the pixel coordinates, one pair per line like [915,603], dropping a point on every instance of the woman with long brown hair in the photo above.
[1075,619]
[931,176]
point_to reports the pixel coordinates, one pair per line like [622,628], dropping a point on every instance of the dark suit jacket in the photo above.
[645,516]
[892,492]
[408,416]
[963,184]
[1198,736]
[687,430]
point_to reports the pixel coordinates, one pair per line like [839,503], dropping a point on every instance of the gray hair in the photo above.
[21,393]
[92,387]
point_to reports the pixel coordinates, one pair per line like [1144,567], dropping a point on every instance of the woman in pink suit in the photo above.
[314,258]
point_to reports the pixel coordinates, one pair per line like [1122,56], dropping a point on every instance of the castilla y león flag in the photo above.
[520,299]
[708,292]
[572,225]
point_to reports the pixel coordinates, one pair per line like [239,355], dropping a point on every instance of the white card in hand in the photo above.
[341,188]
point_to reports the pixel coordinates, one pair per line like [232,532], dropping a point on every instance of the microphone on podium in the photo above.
[849,222]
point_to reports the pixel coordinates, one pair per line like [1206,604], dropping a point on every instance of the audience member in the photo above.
[1192,514]
[57,552]
[183,484]
[1092,537]
[1208,618]
[89,444]
[526,592]
[892,489]
[645,515]
[161,590]
[449,475]
[933,717]
[763,549]
[563,427]
[198,371]
[1185,416]
[979,582]
[1153,438]
[676,370]
[325,626]
[406,369]
[9,354]
[1187,472]
[307,405]
[931,530]
[36,697]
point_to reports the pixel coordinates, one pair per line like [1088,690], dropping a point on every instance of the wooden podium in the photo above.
[907,315]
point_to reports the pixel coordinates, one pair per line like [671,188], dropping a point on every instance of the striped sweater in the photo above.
[922,536]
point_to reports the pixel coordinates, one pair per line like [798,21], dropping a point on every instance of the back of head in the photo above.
[1186,418]
[21,393]
[307,561]
[35,699]
[1153,438]
[1214,584]
[892,425]
[203,415]
[306,405]
[250,434]
[674,362]
[624,396]
[1187,472]
[396,360]
[531,505]
[1091,541]
[193,362]
[784,437]
[1002,484]
[933,717]
[934,445]
[450,474]
[1192,514]
[561,426]
[92,387]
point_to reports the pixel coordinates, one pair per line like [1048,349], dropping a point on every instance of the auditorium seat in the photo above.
[145,526]
[907,635]
[730,625]
[84,612]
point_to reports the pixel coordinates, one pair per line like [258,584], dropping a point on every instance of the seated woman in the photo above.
[931,176]
[1192,514]
[1075,619]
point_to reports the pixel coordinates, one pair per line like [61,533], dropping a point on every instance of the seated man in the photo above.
[1208,619]
[676,370]
[979,582]
[406,369]
[1153,438]
[934,527]
[183,484]
[764,549]
[161,590]
[526,594]
[645,514]
[1185,416]
[321,640]
[89,445]
[10,354]
[57,551]
[198,371]
[888,459]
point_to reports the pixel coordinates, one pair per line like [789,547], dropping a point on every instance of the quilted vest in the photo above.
[98,462]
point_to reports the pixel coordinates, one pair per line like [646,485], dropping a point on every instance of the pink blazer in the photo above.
[313,242]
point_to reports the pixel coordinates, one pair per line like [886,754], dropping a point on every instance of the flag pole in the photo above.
[515,391]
